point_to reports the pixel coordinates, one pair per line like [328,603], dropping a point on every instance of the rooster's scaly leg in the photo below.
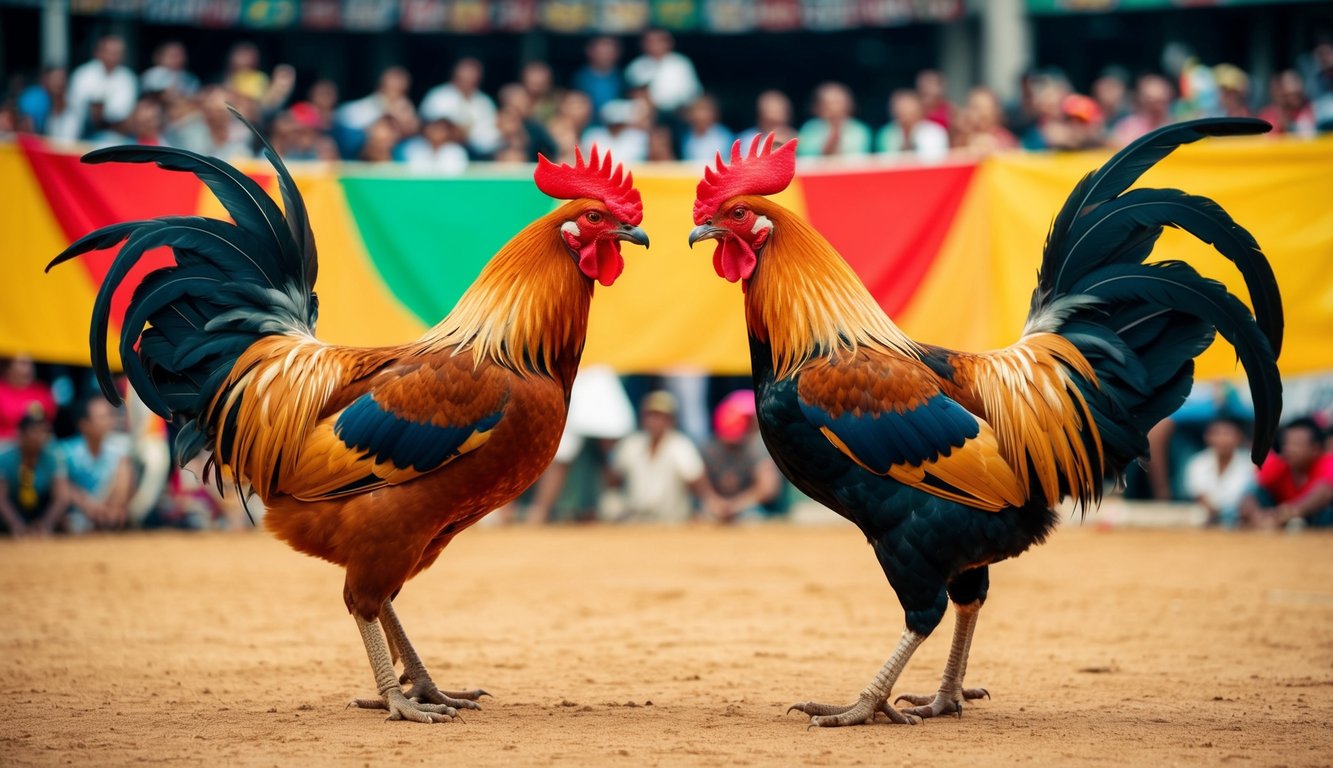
[949,700]
[414,671]
[391,694]
[874,697]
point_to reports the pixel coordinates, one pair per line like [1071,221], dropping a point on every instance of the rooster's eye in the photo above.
[738,214]
[593,217]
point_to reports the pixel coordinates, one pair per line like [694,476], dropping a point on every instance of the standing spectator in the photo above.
[981,126]
[1111,92]
[1082,126]
[1233,90]
[102,91]
[323,96]
[1289,109]
[168,76]
[390,97]
[669,76]
[212,130]
[600,78]
[438,149]
[659,467]
[833,130]
[706,136]
[463,99]
[1044,110]
[46,106]
[34,491]
[934,94]
[618,134]
[1153,100]
[911,132]
[243,76]
[101,482]
[1295,483]
[19,389]
[539,83]
[1219,476]
[772,115]
[520,131]
[739,469]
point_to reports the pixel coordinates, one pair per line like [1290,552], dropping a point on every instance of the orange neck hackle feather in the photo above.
[528,309]
[806,302]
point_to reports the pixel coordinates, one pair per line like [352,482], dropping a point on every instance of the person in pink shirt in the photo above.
[1294,483]
[19,387]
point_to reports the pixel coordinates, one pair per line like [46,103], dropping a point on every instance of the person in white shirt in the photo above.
[659,468]
[619,135]
[168,75]
[910,132]
[669,76]
[389,98]
[102,91]
[1219,476]
[462,98]
[437,149]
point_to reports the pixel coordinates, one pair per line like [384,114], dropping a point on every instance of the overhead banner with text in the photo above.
[950,251]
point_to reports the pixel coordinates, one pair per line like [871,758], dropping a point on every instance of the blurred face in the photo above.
[111,51]
[773,108]
[657,44]
[515,98]
[576,107]
[604,52]
[1223,437]
[395,81]
[537,78]
[703,114]
[99,421]
[983,108]
[930,85]
[244,57]
[1290,90]
[834,103]
[324,94]
[1108,91]
[21,372]
[54,80]
[1154,96]
[1299,448]
[467,75]
[656,423]
[146,119]
[907,109]
[172,56]
[35,437]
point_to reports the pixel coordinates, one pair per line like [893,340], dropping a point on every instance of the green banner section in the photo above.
[429,238]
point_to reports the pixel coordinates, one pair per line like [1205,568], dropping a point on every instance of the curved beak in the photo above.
[705,232]
[632,234]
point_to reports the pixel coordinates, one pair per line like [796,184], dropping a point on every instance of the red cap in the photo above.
[764,171]
[594,180]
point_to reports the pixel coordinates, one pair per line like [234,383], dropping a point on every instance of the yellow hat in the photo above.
[660,401]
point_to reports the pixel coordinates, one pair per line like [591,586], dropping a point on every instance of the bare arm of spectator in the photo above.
[118,496]
[13,520]
[764,489]
[1319,496]
[55,511]
[548,490]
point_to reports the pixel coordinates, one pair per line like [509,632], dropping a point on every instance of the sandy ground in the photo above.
[652,646]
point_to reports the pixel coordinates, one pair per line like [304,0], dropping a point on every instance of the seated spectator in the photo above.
[34,492]
[102,91]
[705,136]
[740,471]
[1289,109]
[144,126]
[1154,98]
[910,132]
[212,130]
[100,476]
[538,82]
[658,467]
[168,78]
[382,142]
[772,115]
[668,75]
[1111,92]
[438,149]
[390,97]
[1233,90]
[1220,475]
[19,389]
[933,92]
[600,78]
[45,107]
[833,131]
[1295,483]
[519,127]
[980,124]
[1082,126]
[627,143]
[295,135]
[463,99]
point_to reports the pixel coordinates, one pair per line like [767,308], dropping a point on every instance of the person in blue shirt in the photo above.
[100,474]
[34,492]
[600,78]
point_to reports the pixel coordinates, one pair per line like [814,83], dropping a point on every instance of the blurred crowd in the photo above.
[653,107]
[655,449]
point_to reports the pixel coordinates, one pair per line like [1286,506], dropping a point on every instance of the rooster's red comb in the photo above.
[764,171]
[596,179]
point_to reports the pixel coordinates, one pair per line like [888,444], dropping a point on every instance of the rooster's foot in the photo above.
[941,703]
[427,692]
[402,708]
[863,711]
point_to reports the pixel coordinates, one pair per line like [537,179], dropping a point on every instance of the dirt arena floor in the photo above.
[646,646]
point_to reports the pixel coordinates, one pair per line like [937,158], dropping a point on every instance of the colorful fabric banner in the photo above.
[950,251]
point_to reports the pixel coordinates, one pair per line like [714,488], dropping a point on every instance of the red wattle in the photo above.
[601,261]
[734,259]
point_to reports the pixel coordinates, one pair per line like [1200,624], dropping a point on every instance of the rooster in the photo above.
[373,459]
[950,461]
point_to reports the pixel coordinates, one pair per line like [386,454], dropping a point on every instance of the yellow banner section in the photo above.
[1281,191]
